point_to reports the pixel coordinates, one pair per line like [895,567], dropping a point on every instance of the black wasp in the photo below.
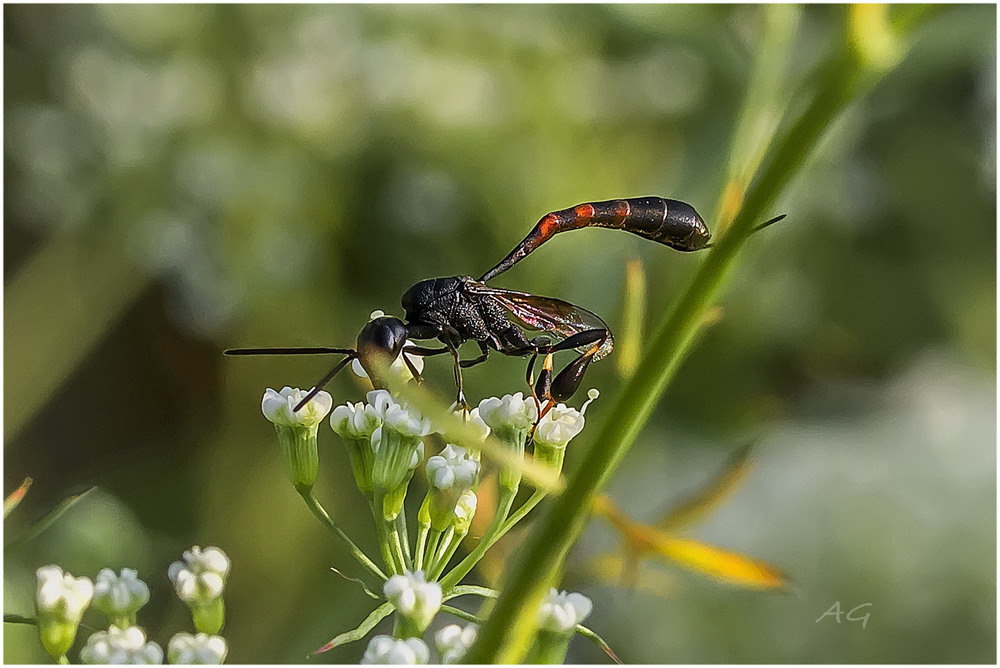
[457,309]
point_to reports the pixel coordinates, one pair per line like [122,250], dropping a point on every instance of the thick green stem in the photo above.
[325,518]
[507,634]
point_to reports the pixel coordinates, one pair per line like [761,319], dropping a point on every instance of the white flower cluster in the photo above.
[120,595]
[512,412]
[61,595]
[386,650]
[561,612]
[201,576]
[414,597]
[453,641]
[201,649]
[453,468]
[279,407]
[121,646]
[360,420]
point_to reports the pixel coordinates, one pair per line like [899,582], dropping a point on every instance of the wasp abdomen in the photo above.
[666,221]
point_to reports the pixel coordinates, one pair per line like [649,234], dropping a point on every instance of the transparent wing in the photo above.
[546,314]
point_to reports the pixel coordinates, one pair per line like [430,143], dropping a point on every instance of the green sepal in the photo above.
[376,616]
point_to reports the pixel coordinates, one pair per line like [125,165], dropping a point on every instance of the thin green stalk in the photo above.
[453,544]
[436,566]
[507,634]
[422,531]
[393,561]
[470,561]
[404,536]
[321,514]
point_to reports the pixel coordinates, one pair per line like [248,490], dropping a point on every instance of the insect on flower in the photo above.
[457,309]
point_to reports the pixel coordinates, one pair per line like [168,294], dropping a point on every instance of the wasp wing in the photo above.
[546,314]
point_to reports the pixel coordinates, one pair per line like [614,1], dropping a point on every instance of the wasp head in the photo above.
[379,344]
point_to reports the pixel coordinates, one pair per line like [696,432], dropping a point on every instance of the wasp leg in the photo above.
[567,382]
[484,352]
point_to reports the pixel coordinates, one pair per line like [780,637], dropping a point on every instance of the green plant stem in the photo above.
[324,517]
[507,634]
[404,536]
[470,561]
[422,531]
[442,554]
[452,548]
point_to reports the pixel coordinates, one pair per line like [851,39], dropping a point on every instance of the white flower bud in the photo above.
[465,510]
[201,576]
[385,650]
[117,646]
[278,407]
[201,649]
[60,600]
[379,402]
[61,595]
[453,641]
[414,598]
[353,421]
[511,412]
[406,421]
[560,425]
[560,612]
[453,468]
[120,596]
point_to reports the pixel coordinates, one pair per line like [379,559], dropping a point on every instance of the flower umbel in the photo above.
[60,600]
[562,611]
[385,650]
[200,649]
[453,641]
[558,616]
[416,601]
[121,646]
[297,431]
[511,418]
[120,596]
[199,581]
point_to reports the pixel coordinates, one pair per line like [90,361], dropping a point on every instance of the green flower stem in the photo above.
[435,566]
[392,554]
[321,514]
[431,549]
[422,531]
[470,561]
[507,634]
[455,541]
[404,536]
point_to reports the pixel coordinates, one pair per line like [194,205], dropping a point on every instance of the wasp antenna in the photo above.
[289,351]
[326,379]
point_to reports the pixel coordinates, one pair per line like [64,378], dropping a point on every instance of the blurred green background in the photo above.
[182,179]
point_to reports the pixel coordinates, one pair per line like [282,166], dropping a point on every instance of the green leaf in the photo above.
[376,616]
[49,519]
[461,614]
[11,502]
[597,640]
[475,590]
[708,498]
